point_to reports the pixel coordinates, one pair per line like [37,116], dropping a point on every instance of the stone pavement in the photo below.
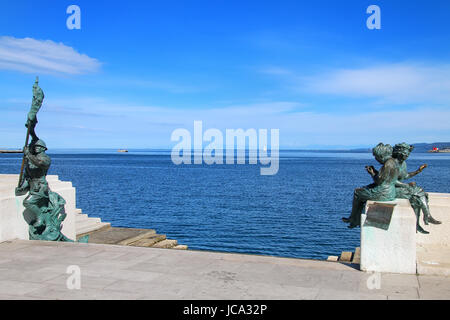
[37,270]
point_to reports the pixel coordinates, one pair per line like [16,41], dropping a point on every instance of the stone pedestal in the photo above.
[388,237]
[12,222]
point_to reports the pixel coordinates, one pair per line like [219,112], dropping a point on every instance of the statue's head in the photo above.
[402,151]
[382,152]
[39,146]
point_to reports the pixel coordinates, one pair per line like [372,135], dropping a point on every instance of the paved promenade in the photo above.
[37,270]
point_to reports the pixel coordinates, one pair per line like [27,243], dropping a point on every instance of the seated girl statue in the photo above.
[416,195]
[383,188]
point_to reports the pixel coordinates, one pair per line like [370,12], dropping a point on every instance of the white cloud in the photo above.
[43,56]
[100,122]
[390,83]
[104,123]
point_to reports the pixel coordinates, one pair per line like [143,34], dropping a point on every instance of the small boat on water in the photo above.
[10,151]
[122,150]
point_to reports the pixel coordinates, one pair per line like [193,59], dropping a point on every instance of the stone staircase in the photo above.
[132,237]
[347,257]
[85,225]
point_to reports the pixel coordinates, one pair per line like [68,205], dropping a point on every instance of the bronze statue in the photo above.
[44,209]
[383,188]
[416,195]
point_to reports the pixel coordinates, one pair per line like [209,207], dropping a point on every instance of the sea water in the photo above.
[231,208]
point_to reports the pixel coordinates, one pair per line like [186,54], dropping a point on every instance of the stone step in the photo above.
[87,222]
[145,235]
[80,217]
[357,256]
[346,256]
[120,236]
[333,258]
[91,228]
[180,247]
[149,241]
[165,244]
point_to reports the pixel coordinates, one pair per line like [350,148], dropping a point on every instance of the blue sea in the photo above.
[230,208]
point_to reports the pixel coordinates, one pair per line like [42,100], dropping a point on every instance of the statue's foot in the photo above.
[421,230]
[346,220]
[430,219]
[433,221]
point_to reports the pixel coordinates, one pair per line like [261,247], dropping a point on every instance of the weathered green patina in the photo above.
[388,185]
[416,195]
[38,98]
[383,188]
[44,209]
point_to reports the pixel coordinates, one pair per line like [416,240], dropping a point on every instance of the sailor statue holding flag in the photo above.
[44,208]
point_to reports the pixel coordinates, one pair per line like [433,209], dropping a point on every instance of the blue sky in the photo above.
[137,70]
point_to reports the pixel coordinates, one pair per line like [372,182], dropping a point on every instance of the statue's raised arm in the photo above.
[36,104]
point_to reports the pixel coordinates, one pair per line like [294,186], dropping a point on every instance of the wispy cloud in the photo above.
[393,83]
[101,122]
[44,56]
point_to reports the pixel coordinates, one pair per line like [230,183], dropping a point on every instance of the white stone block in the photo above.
[12,222]
[388,237]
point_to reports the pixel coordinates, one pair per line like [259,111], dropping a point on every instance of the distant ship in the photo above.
[122,150]
[436,149]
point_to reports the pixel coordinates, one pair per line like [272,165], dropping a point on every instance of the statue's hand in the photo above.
[370,170]
[20,191]
[422,167]
[412,184]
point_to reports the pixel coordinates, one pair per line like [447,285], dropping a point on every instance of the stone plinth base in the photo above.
[12,222]
[388,237]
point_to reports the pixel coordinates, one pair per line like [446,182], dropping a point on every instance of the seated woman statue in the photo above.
[416,195]
[383,188]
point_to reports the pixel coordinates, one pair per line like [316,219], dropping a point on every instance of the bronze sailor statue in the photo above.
[44,208]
